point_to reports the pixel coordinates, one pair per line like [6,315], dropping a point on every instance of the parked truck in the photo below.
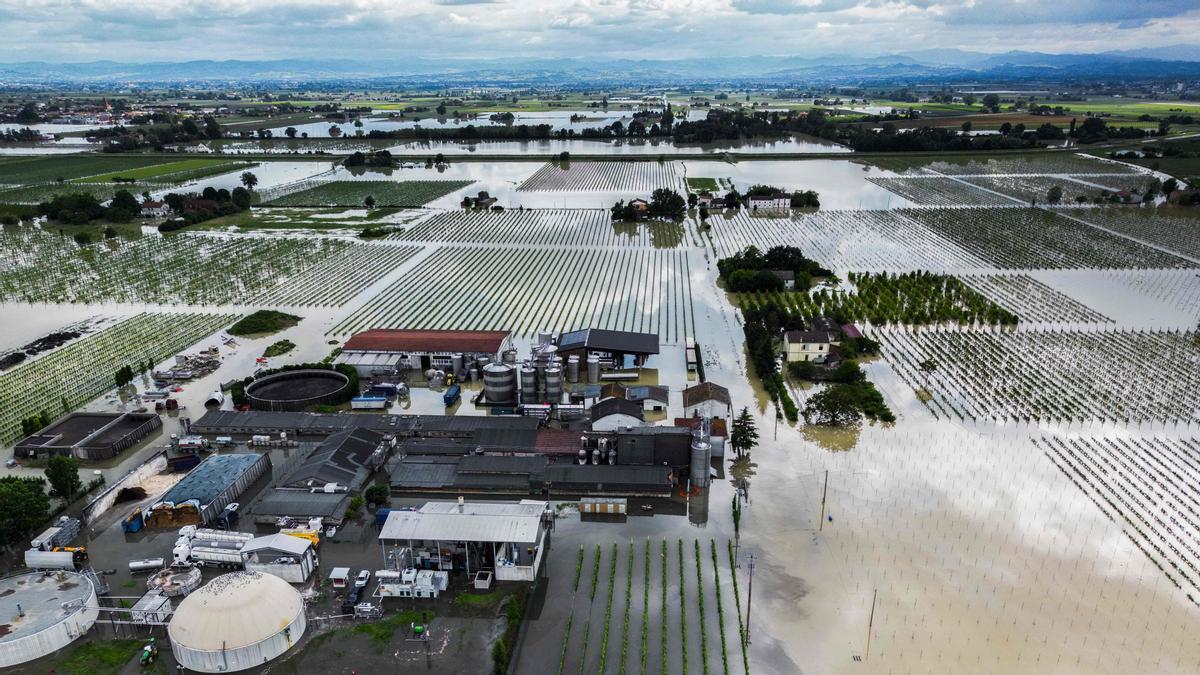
[51,560]
[207,556]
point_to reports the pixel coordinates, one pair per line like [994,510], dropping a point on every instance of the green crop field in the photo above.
[700,183]
[385,193]
[172,172]
[36,194]
[28,170]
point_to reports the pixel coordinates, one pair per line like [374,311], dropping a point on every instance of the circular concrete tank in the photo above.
[237,621]
[43,612]
[295,390]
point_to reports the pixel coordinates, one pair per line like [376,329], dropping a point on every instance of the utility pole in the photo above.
[870,624]
[749,598]
[824,492]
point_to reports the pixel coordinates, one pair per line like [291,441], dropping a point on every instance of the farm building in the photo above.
[706,399]
[236,621]
[615,348]
[651,397]
[217,482]
[289,558]
[452,536]
[612,414]
[237,423]
[788,277]
[301,506]
[345,459]
[419,350]
[89,435]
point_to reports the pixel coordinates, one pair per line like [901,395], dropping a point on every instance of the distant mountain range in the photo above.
[925,66]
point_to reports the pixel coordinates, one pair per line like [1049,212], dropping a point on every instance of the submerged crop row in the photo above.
[1032,375]
[369,192]
[524,290]
[41,266]
[548,227]
[82,370]
[604,177]
[1033,300]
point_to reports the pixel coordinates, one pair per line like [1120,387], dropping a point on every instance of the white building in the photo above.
[289,558]
[779,200]
[706,400]
[808,345]
[507,538]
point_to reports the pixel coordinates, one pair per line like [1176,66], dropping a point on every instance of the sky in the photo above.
[141,31]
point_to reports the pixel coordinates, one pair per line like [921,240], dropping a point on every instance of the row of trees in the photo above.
[751,270]
[664,203]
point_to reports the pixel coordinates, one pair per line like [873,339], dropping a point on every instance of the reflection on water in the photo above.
[834,439]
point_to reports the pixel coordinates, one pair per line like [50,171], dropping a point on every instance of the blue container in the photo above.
[452,395]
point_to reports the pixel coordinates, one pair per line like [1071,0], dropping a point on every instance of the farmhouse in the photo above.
[153,209]
[388,350]
[808,345]
[788,278]
[482,201]
[779,200]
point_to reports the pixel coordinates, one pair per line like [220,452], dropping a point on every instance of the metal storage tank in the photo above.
[701,453]
[554,384]
[528,384]
[54,609]
[593,369]
[500,384]
[456,364]
[237,621]
[573,369]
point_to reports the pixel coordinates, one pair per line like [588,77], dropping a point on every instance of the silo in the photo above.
[42,613]
[554,384]
[528,384]
[593,368]
[573,369]
[499,384]
[456,364]
[236,621]
[701,452]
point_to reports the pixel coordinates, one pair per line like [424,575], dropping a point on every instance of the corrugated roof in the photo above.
[474,522]
[615,406]
[297,503]
[211,477]
[705,391]
[283,543]
[342,458]
[610,341]
[420,472]
[402,340]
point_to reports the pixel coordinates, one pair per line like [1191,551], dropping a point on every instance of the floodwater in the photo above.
[929,545]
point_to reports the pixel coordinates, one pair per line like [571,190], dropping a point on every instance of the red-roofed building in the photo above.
[385,349]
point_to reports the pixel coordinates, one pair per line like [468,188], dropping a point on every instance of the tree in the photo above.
[744,434]
[966,127]
[240,198]
[290,132]
[441,110]
[28,114]
[378,494]
[968,99]
[836,405]
[369,202]
[665,202]
[249,180]
[63,473]
[1054,194]
[991,102]
[24,503]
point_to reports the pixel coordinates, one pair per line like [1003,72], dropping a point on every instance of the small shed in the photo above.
[287,557]
[340,577]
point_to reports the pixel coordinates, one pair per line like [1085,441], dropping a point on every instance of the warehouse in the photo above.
[89,435]
[236,423]
[380,350]
[343,460]
[217,482]
[449,536]
[614,348]
[289,558]
[301,506]
[237,621]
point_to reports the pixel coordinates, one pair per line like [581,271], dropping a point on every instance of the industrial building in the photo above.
[43,612]
[614,348]
[197,499]
[611,414]
[87,435]
[245,424]
[343,461]
[451,536]
[385,351]
[289,558]
[237,621]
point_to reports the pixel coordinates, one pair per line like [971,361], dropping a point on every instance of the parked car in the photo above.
[363,578]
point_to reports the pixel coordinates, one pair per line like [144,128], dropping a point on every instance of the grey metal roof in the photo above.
[342,458]
[283,543]
[425,472]
[604,473]
[616,406]
[468,522]
[322,424]
[496,464]
[601,339]
[298,503]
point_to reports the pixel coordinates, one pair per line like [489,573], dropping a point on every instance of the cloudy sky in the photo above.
[176,30]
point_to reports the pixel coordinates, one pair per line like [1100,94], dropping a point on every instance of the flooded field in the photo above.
[1031,509]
